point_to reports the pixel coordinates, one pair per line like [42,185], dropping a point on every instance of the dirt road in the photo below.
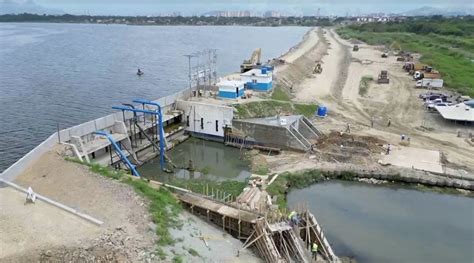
[338,88]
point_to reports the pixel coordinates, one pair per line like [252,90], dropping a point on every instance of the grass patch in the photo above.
[164,207]
[178,259]
[298,180]
[201,186]
[280,94]
[267,108]
[364,85]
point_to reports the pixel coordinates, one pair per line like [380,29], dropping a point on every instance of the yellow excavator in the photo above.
[254,60]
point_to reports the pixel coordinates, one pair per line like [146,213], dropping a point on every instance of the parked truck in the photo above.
[426,75]
[430,83]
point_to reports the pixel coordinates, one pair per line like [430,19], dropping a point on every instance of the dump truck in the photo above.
[355,48]
[383,77]
[251,63]
[317,69]
[430,83]
[412,67]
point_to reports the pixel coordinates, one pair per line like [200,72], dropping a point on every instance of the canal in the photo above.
[392,224]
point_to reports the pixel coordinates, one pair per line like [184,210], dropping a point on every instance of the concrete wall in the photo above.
[209,114]
[167,103]
[272,136]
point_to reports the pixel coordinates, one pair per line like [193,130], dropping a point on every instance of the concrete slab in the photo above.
[409,157]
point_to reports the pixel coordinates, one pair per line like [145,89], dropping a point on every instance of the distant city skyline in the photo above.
[194,7]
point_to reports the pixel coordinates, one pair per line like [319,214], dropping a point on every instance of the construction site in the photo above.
[381,133]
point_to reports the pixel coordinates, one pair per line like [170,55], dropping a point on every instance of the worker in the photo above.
[388,149]
[389,122]
[291,217]
[371,122]
[403,137]
[314,250]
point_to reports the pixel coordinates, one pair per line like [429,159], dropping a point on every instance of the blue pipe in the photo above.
[119,151]
[161,131]
[160,125]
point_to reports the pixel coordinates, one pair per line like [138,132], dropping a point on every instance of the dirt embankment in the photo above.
[337,87]
[126,234]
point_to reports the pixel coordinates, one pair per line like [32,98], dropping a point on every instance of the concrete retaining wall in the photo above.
[167,103]
[396,174]
[271,136]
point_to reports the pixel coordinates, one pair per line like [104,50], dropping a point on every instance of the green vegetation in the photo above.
[280,94]
[266,108]
[364,85]
[288,181]
[261,170]
[178,259]
[447,44]
[163,207]
[170,20]
[201,186]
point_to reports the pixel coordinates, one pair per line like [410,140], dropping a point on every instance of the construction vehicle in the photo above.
[252,62]
[429,75]
[355,48]
[412,67]
[317,69]
[384,55]
[383,77]
[430,83]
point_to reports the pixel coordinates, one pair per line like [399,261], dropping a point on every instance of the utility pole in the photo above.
[189,70]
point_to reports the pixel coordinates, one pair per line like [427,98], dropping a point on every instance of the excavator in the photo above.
[252,62]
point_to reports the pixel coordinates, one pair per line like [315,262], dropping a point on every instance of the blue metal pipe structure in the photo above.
[119,151]
[160,120]
[160,127]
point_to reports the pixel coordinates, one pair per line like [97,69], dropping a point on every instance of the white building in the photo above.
[206,120]
[258,79]
[231,89]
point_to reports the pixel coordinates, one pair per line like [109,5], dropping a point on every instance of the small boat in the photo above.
[139,72]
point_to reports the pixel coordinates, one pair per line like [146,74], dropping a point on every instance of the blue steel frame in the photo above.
[159,123]
[119,151]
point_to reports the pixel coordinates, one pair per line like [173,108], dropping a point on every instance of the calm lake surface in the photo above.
[72,73]
[392,224]
[211,160]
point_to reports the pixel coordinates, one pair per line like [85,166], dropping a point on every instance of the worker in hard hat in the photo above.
[314,250]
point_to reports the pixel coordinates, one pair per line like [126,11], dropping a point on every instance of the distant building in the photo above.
[231,89]
[258,79]
[272,14]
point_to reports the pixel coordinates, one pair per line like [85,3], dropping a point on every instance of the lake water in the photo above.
[211,160]
[392,224]
[72,73]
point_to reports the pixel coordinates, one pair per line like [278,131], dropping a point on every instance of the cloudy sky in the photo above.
[196,7]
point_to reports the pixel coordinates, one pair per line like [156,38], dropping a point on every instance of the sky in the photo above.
[198,7]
